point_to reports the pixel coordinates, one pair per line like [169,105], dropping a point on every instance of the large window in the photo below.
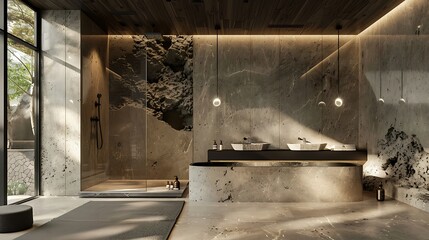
[21,101]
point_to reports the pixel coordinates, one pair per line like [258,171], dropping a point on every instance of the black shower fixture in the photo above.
[97,120]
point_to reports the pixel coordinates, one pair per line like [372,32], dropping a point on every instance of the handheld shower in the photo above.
[97,120]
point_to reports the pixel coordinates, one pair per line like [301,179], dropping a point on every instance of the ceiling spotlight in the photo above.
[402,101]
[321,104]
[380,100]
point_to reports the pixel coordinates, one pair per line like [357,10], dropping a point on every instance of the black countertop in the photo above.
[286,155]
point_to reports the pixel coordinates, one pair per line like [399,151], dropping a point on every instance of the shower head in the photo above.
[99,95]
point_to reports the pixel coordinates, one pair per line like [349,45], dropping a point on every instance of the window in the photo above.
[20,75]
[21,21]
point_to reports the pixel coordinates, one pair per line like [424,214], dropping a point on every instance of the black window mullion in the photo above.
[22,42]
[3,117]
[37,91]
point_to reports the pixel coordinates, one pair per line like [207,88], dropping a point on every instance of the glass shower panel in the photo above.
[128,113]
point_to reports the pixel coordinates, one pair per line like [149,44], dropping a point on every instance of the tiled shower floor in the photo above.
[133,185]
[368,219]
[133,188]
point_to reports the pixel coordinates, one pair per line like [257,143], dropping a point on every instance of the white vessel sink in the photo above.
[249,146]
[306,146]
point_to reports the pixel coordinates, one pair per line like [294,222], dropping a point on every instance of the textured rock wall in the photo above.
[167,92]
[406,162]
[394,63]
[151,106]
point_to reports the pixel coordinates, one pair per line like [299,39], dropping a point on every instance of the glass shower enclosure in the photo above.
[137,156]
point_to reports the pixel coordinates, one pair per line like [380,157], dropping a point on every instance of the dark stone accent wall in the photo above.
[167,93]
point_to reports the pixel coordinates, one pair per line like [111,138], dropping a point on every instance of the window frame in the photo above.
[3,100]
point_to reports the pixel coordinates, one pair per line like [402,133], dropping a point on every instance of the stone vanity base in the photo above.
[275,182]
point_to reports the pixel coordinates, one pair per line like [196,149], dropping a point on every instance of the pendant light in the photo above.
[338,100]
[321,102]
[216,100]
[402,99]
[380,99]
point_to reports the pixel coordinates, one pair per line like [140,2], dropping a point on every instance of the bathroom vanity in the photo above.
[278,176]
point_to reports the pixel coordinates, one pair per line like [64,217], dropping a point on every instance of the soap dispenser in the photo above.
[176,184]
[380,192]
[214,147]
[220,145]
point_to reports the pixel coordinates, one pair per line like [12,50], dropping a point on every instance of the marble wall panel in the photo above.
[60,109]
[286,77]
[233,121]
[204,86]
[264,97]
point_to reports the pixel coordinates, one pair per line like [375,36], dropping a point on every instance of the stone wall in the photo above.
[60,102]
[395,53]
[270,87]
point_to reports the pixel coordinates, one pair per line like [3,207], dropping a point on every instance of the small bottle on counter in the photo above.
[214,147]
[220,145]
[380,193]
[168,185]
[176,183]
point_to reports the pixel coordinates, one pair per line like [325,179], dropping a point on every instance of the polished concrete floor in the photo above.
[368,219]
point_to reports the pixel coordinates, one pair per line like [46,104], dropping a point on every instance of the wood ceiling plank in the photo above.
[235,16]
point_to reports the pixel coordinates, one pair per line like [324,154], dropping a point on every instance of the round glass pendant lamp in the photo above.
[380,99]
[216,100]
[402,99]
[338,101]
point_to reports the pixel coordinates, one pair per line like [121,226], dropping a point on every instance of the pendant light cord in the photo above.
[338,59]
[379,62]
[217,61]
[402,82]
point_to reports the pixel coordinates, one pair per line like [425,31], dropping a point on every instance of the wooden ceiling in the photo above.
[197,17]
